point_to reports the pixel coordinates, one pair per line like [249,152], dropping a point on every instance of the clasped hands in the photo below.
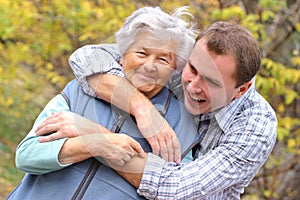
[116,148]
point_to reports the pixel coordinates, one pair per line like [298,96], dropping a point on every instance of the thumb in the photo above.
[138,149]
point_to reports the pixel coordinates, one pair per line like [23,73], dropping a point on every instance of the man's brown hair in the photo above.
[225,38]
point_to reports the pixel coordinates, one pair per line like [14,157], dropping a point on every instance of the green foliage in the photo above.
[276,78]
[235,13]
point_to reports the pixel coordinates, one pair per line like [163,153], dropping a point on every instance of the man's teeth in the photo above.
[196,99]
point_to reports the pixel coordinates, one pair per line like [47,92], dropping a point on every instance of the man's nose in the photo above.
[196,83]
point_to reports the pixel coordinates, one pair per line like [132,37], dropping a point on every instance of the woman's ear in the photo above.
[242,89]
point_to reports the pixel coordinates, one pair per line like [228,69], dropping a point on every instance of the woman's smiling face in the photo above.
[148,63]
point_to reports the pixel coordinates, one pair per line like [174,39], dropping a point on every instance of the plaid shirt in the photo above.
[236,141]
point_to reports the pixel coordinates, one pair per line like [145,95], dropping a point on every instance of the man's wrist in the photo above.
[139,105]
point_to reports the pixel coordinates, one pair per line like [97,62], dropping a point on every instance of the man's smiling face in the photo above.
[208,80]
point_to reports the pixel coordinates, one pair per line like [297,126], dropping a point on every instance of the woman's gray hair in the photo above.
[161,26]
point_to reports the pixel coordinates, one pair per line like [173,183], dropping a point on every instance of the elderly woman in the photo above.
[152,45]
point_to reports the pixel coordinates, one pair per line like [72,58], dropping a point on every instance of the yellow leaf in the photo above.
[298,26]
[266,15]
[282,133]
[290,96]
[267,193]
[9,102]
[281,108]
[49,66]
[291,143]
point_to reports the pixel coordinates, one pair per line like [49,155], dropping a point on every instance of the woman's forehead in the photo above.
[149,41]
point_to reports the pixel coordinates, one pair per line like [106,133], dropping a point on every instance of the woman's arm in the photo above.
[35,157]
[72,139]
[86,139]
[118,148]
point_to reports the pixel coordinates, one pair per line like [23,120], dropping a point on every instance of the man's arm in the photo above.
[132,171]
[234,161]
[92,59]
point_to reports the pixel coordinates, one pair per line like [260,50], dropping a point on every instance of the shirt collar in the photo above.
[161,99]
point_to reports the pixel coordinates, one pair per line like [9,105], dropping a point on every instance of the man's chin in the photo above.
[192,108]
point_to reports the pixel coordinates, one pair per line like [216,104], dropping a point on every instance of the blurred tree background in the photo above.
[38,36]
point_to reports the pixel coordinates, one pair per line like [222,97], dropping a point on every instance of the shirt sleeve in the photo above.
[241,151]
[93,59]
[39,158]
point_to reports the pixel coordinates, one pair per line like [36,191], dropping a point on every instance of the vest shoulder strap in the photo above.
[66,98]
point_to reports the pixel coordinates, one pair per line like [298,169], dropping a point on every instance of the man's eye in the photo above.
[212,82]
[193,70]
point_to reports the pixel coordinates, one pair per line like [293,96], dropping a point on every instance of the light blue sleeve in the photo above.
[188,157]
[39,158]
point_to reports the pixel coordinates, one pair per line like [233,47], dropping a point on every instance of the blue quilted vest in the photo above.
[90,179]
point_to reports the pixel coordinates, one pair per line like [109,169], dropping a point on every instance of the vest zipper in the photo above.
[85,182]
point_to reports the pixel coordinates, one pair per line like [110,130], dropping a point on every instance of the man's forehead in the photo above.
[201,59]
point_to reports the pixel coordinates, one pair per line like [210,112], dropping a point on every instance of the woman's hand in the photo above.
[87,139]
[116,148]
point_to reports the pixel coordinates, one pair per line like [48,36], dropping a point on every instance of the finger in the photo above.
[44,123]
[50,128]
[170,150]
[154,145]
[49,138]
[177,150]
[163,149]
[51,119]
[138,149]
[126,158]
[117,160]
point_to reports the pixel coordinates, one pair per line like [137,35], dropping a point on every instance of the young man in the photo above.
[237,127]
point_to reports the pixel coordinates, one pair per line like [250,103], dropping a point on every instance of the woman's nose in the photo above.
[150,64]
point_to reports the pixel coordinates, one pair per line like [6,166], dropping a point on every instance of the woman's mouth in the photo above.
[147,78]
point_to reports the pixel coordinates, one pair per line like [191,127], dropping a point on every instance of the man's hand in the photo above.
[67,125]
[159,134]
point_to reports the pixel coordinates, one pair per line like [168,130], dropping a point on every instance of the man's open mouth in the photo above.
[197,99]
